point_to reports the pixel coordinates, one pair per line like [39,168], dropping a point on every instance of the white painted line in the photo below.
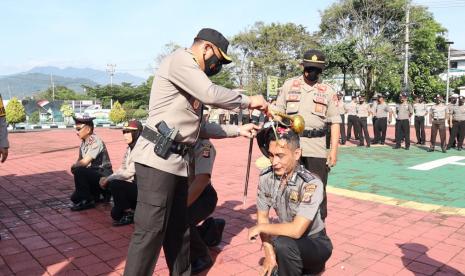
[452,160]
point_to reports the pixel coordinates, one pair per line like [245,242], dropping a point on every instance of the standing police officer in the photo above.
[363,109]
[381,112]
[438,115]
[93,163]
[316,103]
[404,111]
[457,121]
[374,104]
[342,112]
[451,107]
[352,120]
[4,144]
[419,107]
[180,86]
[298,244]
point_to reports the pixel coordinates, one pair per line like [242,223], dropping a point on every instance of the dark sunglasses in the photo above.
[126,131]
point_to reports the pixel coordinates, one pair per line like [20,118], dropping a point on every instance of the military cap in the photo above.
[404,94]
[454,95]
[133,125]
[314,58]
[218,40]
[84,120]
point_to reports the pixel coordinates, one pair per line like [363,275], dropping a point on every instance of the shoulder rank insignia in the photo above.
[305,175]
[266,170]
[308,191]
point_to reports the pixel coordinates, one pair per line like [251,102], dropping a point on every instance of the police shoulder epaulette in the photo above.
[305,175]
[266,170]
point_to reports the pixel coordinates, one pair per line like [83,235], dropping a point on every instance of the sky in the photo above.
[131,34]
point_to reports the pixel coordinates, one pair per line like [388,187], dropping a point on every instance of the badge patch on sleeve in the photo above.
[206,151]
[293,196]
[309,189]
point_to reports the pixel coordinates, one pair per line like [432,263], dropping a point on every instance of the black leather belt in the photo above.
[314,133]
[176,147]
[438,119]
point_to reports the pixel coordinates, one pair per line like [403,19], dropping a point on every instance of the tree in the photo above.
[429,54]
[269,50]
[15,112]
[117,113]
[341,55]
[140,114]
[67,111]
[375,28]
[34,118]
[61,93]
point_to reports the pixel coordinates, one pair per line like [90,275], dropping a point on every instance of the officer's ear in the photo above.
[297,154]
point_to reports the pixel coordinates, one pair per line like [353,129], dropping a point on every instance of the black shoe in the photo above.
[444,150]
[360,145]
[430,150]
[396,147]
[128,218]
[83,205]
[220,223]
[381,143]
[423,143]
[418,143]
[368,145]
[201,264]
[407,148]
[459,149]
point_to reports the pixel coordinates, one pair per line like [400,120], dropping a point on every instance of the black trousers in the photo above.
[86,184]
[306,255]
[160,220]
[201,209]
[234,119]
[124,197]
[380,127]
[403,132]
[373,121]
[318,166]
[438,125]
[458,130]
[352,121]
[461,133]
[420,129]
[363,130]
[342,128]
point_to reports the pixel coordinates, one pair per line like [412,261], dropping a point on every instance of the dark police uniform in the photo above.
[161,219]
[86,179]
[342,112]
[458,125]
[362,113]
[451,105]
[439,114]
[420,113]
[403,112]
[303,196]
[317,105]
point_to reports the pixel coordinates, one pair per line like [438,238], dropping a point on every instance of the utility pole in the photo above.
[111,71]
[407,41]
[53,87]
[448,69]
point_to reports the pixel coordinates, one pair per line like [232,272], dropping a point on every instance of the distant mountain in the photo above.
[38,79]
[27,84]
[98,76]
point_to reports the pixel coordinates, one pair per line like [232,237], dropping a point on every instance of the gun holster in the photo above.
[163,139]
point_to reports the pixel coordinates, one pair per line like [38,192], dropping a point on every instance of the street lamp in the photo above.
[448,69]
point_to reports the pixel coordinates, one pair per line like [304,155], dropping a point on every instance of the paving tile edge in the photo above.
[445,210]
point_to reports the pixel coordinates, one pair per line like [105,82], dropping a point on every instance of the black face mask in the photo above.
[460,102]
[438,101]
[312,74]
[213,66]
[453,101]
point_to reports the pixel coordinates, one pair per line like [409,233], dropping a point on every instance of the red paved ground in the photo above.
[40,236]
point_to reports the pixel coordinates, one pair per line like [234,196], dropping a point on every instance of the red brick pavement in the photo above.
[40,236]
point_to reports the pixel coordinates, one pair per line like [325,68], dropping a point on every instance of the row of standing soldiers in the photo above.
[358,111]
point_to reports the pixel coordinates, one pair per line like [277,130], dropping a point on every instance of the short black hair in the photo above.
[289,136]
